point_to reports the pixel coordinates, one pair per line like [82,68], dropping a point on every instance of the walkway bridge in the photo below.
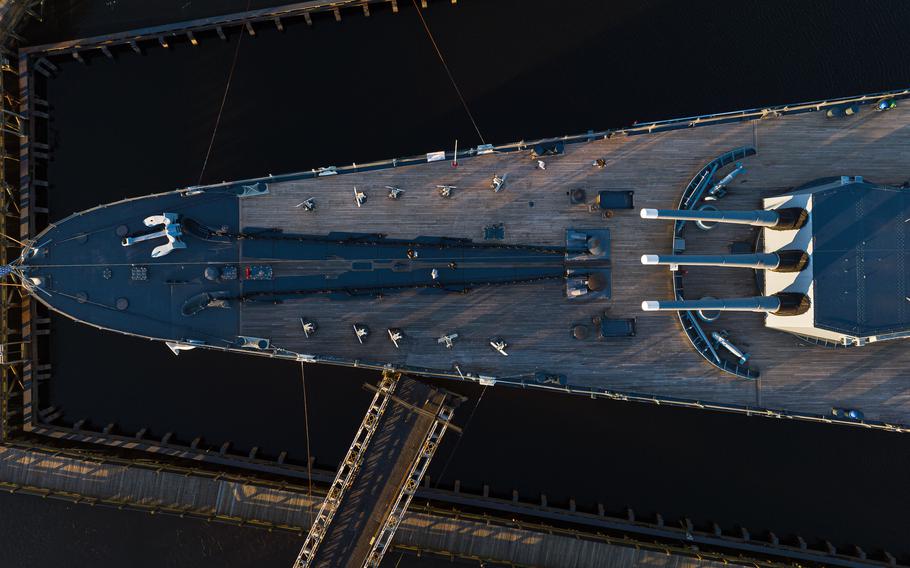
[379,475]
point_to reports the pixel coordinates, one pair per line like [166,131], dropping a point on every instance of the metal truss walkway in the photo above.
[379,475]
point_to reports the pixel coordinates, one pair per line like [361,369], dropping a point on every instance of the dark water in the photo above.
[372,88]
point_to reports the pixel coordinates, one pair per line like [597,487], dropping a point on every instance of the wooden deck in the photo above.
[535,319]
[290,508]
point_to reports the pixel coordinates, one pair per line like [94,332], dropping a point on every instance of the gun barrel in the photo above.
[753,304]
[783,219]
[781,261]
[782,304]
[758,217]
[757,260]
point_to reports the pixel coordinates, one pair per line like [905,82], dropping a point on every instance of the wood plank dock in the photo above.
[222,497]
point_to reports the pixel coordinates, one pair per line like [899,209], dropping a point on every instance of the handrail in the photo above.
[690,197]
[347,470]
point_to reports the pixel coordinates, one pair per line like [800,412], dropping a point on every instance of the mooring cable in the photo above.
[458,441]
[227,88]
[448,72]
[306,423]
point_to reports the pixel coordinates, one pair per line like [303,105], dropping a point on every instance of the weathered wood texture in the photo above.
[165,491]
[535,319]
[290,508]
[466,537]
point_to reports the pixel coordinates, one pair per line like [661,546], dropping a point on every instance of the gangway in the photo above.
[379,475]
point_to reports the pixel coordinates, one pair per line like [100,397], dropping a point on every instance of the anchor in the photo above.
[171,231]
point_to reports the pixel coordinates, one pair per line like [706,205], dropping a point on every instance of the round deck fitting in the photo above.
[81,297]
[597,282]
[708,316]
[706,225]
[581,332]
[596,246]
[122,304]
[211,273]
[122,230]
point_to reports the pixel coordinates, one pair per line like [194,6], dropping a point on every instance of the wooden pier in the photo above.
[424,529]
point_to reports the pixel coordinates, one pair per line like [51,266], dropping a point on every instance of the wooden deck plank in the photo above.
[291,508]
[535,319]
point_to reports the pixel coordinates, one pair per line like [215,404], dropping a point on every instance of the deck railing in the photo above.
[689,199]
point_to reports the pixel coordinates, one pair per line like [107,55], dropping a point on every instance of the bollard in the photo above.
[281,457]
[659,520]
[278,25]
[860,553]
[250,30]
[79,423]
[457,488]
[220,33]
[167,438]
[195,443]
[108,429]
[224,448]
[253,452]
[630,514]
[572,505]
[141,433]
[107,52]
[772,538]
[78,57]
[135,46]
[600,510]
[486,490]
[337,13]
[515,496]
[745,534]
[717,531]
[543,499]
[801,542]
[830,548]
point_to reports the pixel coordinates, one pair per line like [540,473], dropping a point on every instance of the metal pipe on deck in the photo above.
[780,261]
[784,304]
[780,219]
